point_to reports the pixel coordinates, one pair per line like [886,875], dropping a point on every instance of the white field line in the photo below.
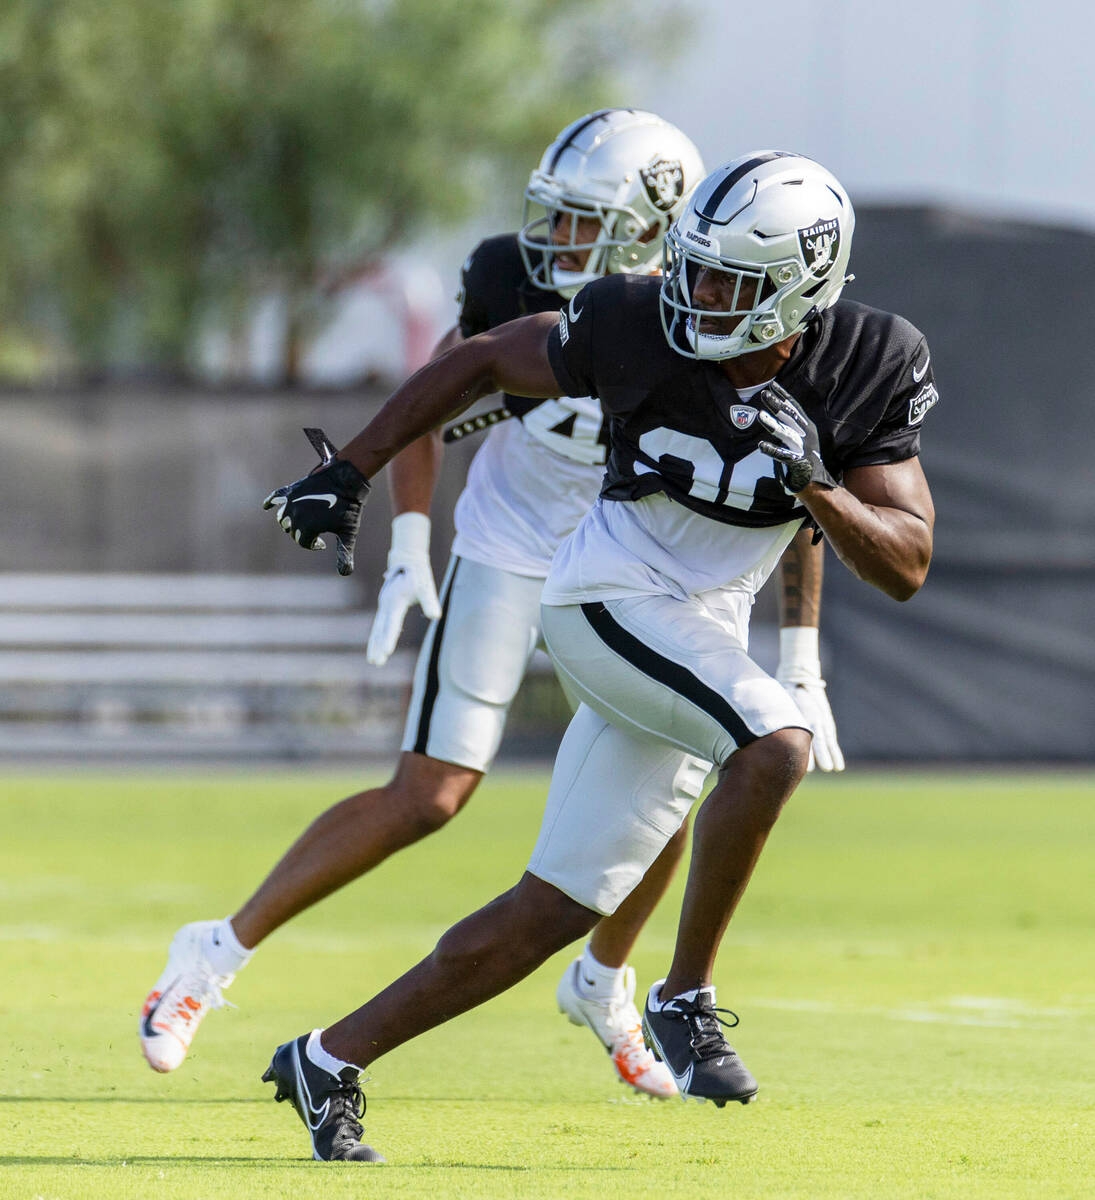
[997,1012]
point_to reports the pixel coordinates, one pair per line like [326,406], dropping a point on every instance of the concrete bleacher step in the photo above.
[124,664]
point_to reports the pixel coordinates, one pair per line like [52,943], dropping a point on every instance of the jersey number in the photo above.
[714,479]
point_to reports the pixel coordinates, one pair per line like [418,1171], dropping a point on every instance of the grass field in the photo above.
[913,966]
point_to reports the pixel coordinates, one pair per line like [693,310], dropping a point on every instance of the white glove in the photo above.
[407,581]
[800,673]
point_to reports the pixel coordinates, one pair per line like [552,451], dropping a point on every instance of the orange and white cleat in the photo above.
[618,1027]
[184,993]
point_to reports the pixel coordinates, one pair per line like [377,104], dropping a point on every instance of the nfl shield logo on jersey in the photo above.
[819,243]
[742,415]
[664,182]
[924,399]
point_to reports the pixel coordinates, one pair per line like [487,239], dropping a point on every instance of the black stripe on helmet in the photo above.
[710,210]
[601,112]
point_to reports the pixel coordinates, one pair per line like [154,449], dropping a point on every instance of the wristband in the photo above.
[411,534]
[799,657]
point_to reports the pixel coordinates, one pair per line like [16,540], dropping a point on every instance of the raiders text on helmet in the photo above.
[628,169]
[779,228]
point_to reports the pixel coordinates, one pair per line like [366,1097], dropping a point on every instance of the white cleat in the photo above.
[184,993]
[618,1026]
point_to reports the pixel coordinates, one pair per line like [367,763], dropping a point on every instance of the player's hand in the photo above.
[800,673]
[796,447]
[327,501]
[407,581]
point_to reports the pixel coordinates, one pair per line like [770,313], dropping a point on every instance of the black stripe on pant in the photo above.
[665,671]
[429,696]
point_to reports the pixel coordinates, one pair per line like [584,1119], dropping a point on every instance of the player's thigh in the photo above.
[615,800]
[471,664]
[657,666]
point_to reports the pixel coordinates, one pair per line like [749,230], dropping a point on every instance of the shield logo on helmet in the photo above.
[819,244]
[664,182]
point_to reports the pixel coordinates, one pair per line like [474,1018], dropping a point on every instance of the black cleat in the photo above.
[329,1106]
[685,1035]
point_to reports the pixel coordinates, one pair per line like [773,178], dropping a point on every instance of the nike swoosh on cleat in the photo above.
[918,375]
[330,500]
[303,1091]
[146,1025]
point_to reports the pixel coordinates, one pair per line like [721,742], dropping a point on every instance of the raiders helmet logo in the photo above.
[819,244]
[664,182]
[742,415]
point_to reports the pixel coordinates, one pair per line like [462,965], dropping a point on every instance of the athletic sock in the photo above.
[223,950]
[320,1058]
[691,996]
[597,981]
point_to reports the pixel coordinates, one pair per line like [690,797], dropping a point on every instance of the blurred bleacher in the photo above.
[133,665]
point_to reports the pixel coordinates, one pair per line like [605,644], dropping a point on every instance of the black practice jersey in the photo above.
[678,426]
[494,289]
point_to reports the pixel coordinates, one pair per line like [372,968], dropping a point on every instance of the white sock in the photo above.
[223,950]
[598,981]
[690,996]
[317,1055]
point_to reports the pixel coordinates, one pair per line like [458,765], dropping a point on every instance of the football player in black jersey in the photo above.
[599,202]
[745,399]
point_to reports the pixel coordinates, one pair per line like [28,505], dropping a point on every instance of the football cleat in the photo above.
[619,1029]
[187,990]
[686,1036]
[329,1105]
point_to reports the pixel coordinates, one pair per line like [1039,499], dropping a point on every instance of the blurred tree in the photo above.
[164,159]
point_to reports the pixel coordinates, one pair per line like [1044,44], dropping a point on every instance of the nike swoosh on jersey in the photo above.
[330,500]
[574,313]
[918,375]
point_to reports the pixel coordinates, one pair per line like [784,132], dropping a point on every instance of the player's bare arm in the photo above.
[801,570]
[413,473]
[879,523]
[512,358]
[408,575]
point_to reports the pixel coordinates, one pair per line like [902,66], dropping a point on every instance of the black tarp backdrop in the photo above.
[995,658]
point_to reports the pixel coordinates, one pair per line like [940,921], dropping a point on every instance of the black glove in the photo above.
[796,450]
[327,501]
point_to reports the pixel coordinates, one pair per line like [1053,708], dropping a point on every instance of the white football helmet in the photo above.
[780,226]
[628,169]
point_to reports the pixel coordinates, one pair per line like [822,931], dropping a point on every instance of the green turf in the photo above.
[913,966]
